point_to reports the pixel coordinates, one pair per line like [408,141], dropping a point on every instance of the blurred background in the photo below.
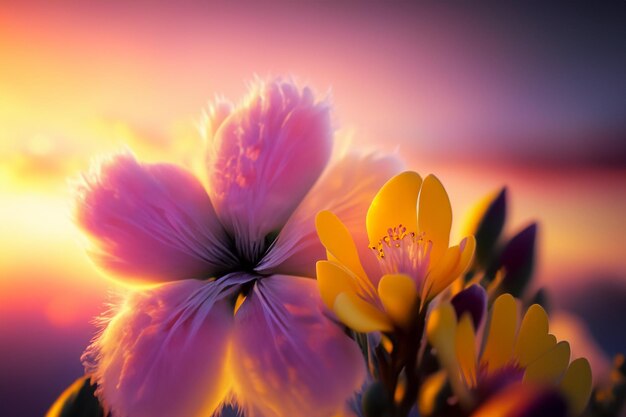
[532,97]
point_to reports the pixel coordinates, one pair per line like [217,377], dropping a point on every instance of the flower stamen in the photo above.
[404,252]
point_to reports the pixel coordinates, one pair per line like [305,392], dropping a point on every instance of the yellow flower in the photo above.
[408,226]
[511,353]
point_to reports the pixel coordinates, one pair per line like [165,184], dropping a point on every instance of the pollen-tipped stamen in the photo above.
[404,252]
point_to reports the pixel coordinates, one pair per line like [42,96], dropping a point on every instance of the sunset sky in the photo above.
[531,99]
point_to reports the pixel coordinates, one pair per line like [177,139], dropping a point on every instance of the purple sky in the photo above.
[532,86]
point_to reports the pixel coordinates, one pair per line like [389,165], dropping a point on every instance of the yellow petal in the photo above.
[550,366]
[441,333]
[359,315]
[435,216]
[451,266]
[466,349]
[468,247]
[441,330]
[333,279]
[533,339]
[239,302]
[501,337]
[398,294]
[338,242]
[71,392]
[439,277]
[576,385]
[511,400]
[429,393]
[395,204]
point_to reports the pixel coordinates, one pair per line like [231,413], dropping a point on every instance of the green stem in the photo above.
[403,356]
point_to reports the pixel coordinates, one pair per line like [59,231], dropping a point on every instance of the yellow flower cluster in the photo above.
[408,225]
[525,350]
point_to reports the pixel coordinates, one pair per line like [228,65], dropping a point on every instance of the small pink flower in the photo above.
[232,314]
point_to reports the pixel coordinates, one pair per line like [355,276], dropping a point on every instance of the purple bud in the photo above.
[490,227]
[518,259]
[471,300]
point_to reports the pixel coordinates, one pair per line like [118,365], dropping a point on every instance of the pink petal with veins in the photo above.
[347,189]
[264,158]
[164,352]
[150,223]
[288,358]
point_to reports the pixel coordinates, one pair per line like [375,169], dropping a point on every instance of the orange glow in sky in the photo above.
[79,83]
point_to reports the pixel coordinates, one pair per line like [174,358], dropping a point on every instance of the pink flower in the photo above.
[231,313]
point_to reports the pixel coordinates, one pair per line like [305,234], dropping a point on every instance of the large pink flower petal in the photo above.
[289,359]
[164,351]
[347,189]
[150,222]
[263,159]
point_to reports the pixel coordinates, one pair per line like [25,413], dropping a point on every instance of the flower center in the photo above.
[402,252]
[248,254]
